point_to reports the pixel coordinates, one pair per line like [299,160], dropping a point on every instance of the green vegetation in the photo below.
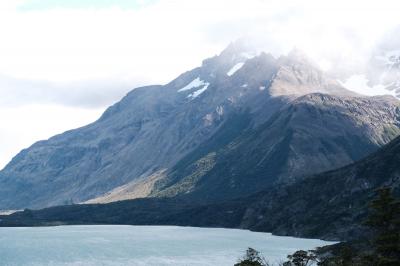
[188,183]
[381,249]
[301,258]
[252,258]
[385,221]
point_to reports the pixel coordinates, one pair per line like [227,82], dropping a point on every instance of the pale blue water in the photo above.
[140,245]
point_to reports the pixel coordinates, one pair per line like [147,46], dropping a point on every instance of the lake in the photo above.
[140,245]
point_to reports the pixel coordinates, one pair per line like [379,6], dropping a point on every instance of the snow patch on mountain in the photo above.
[359,84]
[235,68]
[248,55]
[197,82]
[198,92]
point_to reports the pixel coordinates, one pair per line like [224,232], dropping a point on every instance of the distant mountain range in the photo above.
[239,124]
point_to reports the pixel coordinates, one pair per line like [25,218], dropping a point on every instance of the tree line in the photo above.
[381,249]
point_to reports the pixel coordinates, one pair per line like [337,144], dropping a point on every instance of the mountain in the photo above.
[329,205]
[238,124]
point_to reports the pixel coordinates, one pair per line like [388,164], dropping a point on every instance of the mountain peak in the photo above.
[241,48]
[298,56]
[291,74]
[297,52]
[299,75]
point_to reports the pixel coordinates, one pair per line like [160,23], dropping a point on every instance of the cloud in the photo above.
[30,5]
[75,43]
[21,126]
[87,94]
[84,55]
[69,40]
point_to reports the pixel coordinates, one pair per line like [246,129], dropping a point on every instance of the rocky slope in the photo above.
[231,127]
[314,133]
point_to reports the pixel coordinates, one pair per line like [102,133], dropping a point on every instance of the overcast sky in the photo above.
[62,62]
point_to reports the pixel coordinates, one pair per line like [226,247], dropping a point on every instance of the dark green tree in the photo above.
[301,258]
[252,258]
[385,222]
[345,257]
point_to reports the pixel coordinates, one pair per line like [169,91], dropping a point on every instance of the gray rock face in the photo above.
[224,103]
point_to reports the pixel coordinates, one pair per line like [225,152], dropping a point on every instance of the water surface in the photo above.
[139,245]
